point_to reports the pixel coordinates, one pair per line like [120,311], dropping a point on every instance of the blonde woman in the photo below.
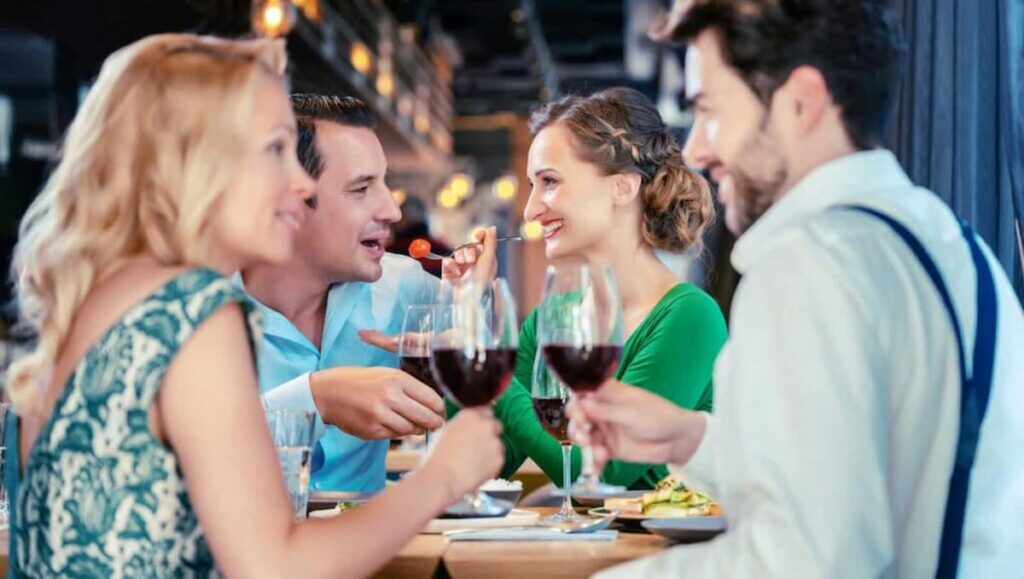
[145,444]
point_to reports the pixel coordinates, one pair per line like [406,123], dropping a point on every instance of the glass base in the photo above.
[478,505]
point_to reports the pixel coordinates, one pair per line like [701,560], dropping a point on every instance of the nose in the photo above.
[389,211]
[696,152]
[302,184]
[534,207]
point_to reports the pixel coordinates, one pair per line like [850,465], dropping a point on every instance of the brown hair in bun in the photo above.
[621,131]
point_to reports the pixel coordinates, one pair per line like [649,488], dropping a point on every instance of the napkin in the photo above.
[528,534]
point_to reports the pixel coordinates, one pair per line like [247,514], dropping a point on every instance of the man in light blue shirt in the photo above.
[339,284]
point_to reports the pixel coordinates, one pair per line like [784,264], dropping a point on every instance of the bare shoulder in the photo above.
[109,300]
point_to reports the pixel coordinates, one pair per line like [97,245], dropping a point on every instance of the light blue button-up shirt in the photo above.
[286,358]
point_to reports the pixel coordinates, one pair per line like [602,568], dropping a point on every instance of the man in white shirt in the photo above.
[339,285]
[837,397]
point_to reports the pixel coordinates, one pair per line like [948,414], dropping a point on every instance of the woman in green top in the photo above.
[609,185]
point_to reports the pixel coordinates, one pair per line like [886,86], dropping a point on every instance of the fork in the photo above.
[432,255]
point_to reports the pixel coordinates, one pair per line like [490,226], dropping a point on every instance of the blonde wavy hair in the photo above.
[153,147]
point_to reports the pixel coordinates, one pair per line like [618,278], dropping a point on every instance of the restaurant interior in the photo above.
[452,84]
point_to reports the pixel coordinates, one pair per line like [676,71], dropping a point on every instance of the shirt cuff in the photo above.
[698,472]
[295,395]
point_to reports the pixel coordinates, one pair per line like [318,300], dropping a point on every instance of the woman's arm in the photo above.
[210,411]
[675,361]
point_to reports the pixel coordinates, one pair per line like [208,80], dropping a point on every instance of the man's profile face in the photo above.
[732,136]
[344,236]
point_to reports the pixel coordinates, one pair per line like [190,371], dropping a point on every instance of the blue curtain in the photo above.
[957,128]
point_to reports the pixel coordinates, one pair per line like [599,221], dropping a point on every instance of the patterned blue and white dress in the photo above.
[100,496]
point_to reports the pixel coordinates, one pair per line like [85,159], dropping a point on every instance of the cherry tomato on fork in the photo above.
[419,248]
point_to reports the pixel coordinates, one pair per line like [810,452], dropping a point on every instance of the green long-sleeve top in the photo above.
[671,353]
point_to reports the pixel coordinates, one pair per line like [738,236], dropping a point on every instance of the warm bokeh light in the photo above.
[361,58]
[532,230]
[399,196]
[272,18]
[505,188]
[447,198]
[310,9]
[386,84]
[422,123]
[461,185]
[405,105]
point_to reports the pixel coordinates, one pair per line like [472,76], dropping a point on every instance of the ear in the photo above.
[806,98]
[627,187]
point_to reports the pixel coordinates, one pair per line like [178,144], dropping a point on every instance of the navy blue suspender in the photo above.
[974,389]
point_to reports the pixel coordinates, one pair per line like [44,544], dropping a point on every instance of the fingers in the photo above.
[481,257]
[380,340]
[409,407]
[397,426]
[450,270]
[423,395]
[487,261]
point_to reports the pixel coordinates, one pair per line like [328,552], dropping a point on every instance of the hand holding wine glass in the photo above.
[473,354]
[580,333]
[629,423]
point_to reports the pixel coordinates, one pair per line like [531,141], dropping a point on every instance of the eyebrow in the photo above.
[359,181]
[543,169]
[290,129]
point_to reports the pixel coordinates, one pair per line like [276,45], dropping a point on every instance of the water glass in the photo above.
[5,512]
[292,431]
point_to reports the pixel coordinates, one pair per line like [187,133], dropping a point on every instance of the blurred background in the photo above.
[453,82]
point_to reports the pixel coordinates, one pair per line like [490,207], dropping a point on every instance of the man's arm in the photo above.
[371,403]
[294,395]
[799,437]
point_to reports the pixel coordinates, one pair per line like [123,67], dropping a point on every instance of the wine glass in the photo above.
[579,333]
[473,354]
[550,396]
[414,347]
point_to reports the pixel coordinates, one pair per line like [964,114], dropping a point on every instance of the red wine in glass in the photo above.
[476,378]
[551,414]
[419,368]
[583,369]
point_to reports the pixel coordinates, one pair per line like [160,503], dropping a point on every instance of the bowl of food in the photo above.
[506,491]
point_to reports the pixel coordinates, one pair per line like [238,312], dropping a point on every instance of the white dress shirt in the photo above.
[837,395]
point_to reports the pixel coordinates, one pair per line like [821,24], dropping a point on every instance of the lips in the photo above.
[291,219]
[552,227]
[374,243]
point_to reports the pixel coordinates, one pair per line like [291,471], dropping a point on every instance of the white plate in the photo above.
[515,518]
[598,500]
[688,529]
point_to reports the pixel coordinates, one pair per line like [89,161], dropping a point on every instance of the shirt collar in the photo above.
[841,181]
[341,298]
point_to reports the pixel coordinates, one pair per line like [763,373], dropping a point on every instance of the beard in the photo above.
[756,181]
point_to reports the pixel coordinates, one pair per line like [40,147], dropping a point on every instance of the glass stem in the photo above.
[567,511]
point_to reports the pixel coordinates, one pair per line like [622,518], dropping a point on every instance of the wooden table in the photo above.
[420,559]
[425,555]
[501,559]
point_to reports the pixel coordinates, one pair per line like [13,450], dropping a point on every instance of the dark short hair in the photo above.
[310,108]
[855,44]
